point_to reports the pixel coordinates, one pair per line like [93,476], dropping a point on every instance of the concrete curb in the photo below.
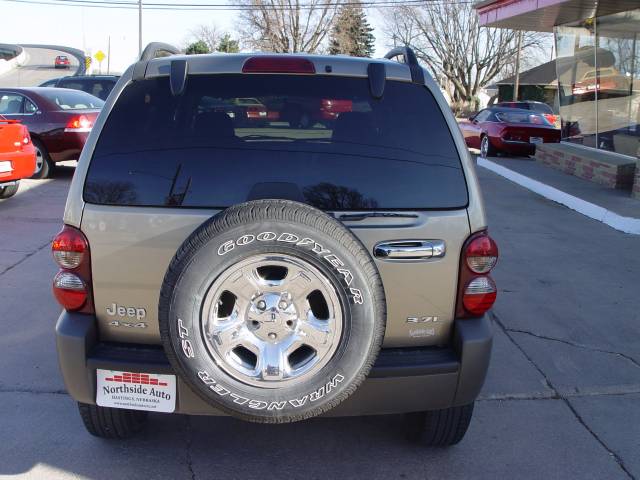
[618,222]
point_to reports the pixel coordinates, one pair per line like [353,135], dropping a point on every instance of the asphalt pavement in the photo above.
[562,399]
[37,68]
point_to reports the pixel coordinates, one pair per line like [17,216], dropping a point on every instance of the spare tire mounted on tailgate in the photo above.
[272,311]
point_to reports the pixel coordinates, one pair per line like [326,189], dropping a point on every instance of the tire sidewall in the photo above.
[46,161]
[358,345]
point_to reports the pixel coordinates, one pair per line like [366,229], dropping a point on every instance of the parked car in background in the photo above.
[97,85]
[62,61]
[507,130]
[17,156]
[50,83]
[59,121]
[539,107]
[607,81]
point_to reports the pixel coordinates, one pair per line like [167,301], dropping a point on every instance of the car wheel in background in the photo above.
[440,428]
[115,423]
[43,161]
[9,191]
[486,149]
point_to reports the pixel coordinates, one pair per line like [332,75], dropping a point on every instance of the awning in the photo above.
[543,15]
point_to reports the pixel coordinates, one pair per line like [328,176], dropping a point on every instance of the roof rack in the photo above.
[410,59]
[151,51]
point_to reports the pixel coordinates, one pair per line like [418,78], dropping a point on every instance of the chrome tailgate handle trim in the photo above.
[410,249]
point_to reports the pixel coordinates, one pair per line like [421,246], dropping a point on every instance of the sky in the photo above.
[89,28]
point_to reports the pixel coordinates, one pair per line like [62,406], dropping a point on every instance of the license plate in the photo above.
[5,167]
[136,391]
[536,140]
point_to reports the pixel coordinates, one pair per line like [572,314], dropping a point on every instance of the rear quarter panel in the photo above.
[23,158]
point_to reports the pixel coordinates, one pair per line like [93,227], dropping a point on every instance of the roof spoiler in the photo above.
[410,59]
[157,50]
[151,51]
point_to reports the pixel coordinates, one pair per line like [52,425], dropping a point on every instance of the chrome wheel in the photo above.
[484,147]
[271,320]
[39,161]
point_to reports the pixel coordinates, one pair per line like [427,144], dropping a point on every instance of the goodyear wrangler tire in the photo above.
[272,311]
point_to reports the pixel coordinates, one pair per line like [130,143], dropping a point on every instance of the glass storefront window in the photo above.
[575,64]
[598,67]
[619,82]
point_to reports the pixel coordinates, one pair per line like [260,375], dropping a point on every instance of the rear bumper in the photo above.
[519,147]
[23,165]
[402,379]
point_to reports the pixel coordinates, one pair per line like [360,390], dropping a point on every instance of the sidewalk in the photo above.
[616,208]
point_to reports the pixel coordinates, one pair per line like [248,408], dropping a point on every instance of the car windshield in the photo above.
[72,99]
[522,117]
[319,139]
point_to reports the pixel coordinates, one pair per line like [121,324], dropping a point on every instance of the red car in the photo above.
[17,156]
[59,121]
[507,130]
[62,61]
[538,107]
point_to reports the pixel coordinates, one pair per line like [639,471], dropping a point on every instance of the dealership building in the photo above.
[598,45]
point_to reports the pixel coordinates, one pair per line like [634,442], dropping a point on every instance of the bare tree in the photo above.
[287,26]
[449,40]
[209,34]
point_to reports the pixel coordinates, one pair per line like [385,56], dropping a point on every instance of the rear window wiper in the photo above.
[355,217]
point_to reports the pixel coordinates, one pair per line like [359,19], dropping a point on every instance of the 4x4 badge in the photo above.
[117,323]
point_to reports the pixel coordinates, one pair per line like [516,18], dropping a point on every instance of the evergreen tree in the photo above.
[352,34]
[228,44]
[197,48]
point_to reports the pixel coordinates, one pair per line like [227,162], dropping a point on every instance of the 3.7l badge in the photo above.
[425,319]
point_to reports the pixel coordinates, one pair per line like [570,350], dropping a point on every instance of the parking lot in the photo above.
[562,399]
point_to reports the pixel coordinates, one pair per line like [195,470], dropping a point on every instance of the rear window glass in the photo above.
[97,88]
[317,139]
[71,99]
[522,117]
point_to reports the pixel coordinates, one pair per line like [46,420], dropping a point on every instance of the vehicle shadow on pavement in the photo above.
[44,438]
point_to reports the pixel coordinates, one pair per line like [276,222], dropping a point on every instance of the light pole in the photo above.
[139,28]
[516,87]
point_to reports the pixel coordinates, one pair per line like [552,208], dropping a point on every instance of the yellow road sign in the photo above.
[99,56]
[87,62]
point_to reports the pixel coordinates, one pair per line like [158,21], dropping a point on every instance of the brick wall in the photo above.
[585,166]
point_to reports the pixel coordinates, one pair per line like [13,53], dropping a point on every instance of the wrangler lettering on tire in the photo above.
[272,311]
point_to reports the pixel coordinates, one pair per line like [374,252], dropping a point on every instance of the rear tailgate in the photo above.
[131,249]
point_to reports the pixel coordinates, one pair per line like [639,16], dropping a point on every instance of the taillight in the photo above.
[72,284]
[70,290]
[479,295]
[69,248]
[272,64]
[476,290]
[481,254]
[79,123]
